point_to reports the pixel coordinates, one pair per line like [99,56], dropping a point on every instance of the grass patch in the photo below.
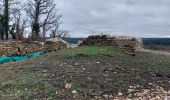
[91,51]
[113,53]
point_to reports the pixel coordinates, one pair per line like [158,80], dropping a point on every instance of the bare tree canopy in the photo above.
[48,12]
[42,16]
[62,34]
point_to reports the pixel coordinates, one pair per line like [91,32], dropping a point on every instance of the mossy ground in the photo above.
[91,70]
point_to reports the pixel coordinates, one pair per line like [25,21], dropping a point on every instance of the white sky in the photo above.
[141,18]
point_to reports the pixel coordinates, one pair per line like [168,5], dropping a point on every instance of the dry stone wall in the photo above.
[128,45]
[99,40]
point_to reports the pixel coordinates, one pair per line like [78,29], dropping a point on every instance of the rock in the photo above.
[68,86]
[74,91]
[44,71]
[150,84]
[120,94]
[76,64]
[84,68]
[106,96]
[111,96]
[98,62]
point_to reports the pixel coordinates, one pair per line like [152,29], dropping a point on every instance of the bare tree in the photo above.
[19,23]
[44,8]
[55,32]
[62,34]
[23,27]
[51,21]
[17,19]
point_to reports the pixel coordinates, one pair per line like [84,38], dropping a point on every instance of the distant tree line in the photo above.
[40,17]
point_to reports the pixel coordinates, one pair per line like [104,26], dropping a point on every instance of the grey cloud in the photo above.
[145,18]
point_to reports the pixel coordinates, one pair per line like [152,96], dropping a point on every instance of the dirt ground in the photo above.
[157,52]
[80,74]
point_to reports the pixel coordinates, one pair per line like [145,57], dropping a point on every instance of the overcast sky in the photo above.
[141,18]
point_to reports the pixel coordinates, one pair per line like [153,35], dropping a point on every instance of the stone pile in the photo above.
[128,45]
[54,44]
[18,47]
[13,47]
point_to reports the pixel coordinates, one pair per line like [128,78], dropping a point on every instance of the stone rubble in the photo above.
[18,47]
[145,94]
[13,47]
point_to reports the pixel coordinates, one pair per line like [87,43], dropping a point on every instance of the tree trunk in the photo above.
[36,28]
[6,18]
[1,28]
[35,31]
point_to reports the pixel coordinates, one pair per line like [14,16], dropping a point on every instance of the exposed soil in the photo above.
[99,77]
